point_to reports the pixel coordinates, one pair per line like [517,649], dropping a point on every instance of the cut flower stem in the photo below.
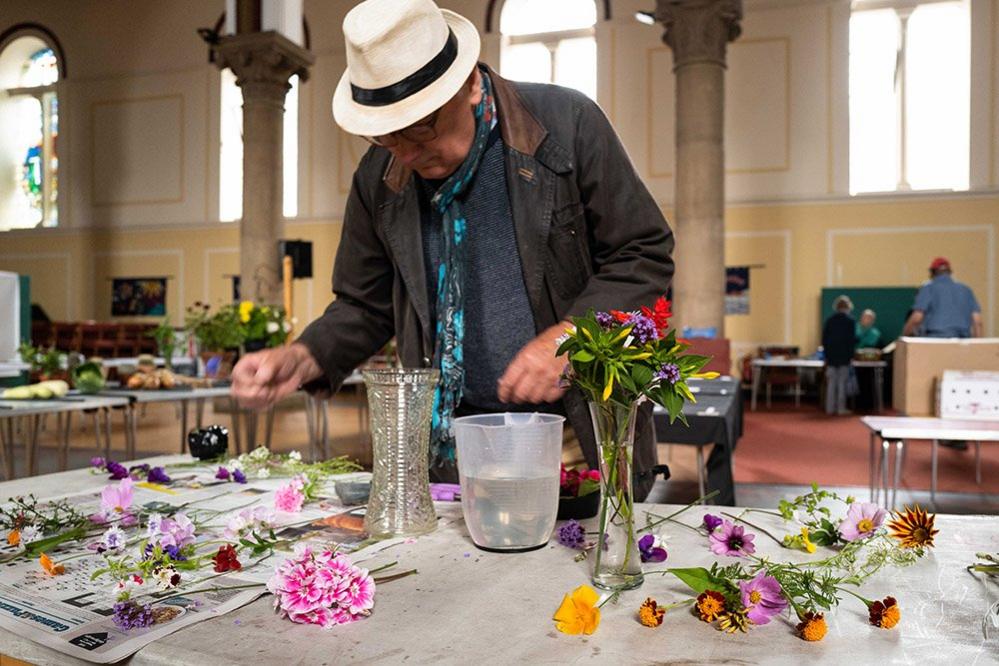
[755,527]
[663,519]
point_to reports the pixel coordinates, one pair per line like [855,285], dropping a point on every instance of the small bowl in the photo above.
[352,493]
[579,508]
[208,443]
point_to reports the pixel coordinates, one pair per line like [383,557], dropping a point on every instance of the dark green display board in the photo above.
[891,304]
[25,281]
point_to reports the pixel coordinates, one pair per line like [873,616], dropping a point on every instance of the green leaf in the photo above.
[583,356]
[698,579]
[642,374]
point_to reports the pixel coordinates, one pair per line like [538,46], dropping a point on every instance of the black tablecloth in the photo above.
[716,418]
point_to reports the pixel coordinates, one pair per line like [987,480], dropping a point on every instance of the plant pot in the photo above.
[218,364]
[254,345]
[578,508]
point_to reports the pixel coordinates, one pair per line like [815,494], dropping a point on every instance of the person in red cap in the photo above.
[944,307]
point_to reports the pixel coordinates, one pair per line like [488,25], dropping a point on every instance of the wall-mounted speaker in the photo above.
[300,252]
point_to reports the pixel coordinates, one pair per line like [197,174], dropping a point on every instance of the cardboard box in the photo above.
[920,362]
[968,395]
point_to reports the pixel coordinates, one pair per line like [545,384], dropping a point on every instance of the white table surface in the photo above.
[168,395]
[926,427]
[134,360]
[10,408]
[468,606]
[810,363]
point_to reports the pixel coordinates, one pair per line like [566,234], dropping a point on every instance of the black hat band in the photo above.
[413,83]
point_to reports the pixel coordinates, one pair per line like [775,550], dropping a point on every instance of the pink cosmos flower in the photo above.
[731,540]
[177,531]
[289,498]
[321,588]
[762,597]
[862,518]
[116,499]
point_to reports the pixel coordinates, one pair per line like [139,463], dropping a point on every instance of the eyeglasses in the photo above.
[419,132]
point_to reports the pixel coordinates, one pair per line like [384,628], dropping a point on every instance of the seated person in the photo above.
[867,334]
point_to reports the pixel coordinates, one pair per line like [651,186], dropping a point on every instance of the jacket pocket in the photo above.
[568,252]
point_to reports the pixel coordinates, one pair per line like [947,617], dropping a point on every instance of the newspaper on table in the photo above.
[73,614]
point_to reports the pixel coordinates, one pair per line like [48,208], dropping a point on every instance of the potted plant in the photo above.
[45,363]
[579,493]
[166,341]
[264,326]
[218,335]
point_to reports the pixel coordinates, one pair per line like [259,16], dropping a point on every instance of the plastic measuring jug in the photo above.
[508,466]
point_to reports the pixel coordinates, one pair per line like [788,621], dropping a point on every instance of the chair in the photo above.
[66,335]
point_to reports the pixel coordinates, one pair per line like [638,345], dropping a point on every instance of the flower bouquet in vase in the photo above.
[619,360]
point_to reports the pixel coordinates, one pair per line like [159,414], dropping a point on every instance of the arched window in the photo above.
[29,129]
[231,150]
[550,42]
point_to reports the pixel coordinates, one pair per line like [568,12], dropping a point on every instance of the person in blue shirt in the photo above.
[944,307]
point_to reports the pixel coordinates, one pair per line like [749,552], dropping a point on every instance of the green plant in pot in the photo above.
[45,363]
[264,326]
[218,335]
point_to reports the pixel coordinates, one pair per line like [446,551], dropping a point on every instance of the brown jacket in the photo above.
[589,233]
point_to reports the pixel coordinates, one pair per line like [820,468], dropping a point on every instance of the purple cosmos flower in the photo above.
[222,474]
[117,470]
[712,522]
[731,540]
[98,462]
[642,328]
[669,372]
[762,597]
[651,550]
[238,476]
[862,518]
[130,615]
[606,319]
[572,534]
[158,475]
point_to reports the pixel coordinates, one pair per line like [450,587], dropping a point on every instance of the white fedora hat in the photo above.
[405,59]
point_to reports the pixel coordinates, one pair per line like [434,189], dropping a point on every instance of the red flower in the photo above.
[660,313]
[620,317]
[225,559]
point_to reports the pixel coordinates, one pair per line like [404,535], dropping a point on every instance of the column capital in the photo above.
[263,63]
[698,30]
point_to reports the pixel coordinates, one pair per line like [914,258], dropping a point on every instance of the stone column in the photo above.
[263,63]
[698,31]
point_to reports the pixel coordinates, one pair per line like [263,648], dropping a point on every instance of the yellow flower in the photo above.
[732,621]
[914,528]
[50,567]
[650,613]
[809,546]
[578,613]
[245,308]
[705,375]
[14,538]
[609,387]
[813,626]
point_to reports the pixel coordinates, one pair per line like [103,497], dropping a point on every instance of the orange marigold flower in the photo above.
[14,538]
[813,626]
[885,614]
[50,567]
[710,605]
[650,613]
[914,528]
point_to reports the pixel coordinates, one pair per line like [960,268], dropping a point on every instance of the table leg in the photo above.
[700,470]
[885,446]
[978,463]
[797,387]
[183,426]
[870,462]
[933,477]
[64,428]
[234,416]
[107,430]
[268,426]
[899,453]
[756,387]
[97,434]
[7,447]
[199,415]
[879,389]
[32,442]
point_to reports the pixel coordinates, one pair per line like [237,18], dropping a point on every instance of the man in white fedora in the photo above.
[484,215]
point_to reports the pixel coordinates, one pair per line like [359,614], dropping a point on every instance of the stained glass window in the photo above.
[29,132]
[550,42]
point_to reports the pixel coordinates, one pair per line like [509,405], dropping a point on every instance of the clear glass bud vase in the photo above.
[401,402]
[616,561]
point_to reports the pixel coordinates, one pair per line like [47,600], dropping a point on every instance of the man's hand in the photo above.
[262,378]
[532,376]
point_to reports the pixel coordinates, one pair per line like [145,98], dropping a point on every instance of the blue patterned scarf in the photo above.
[448,357]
